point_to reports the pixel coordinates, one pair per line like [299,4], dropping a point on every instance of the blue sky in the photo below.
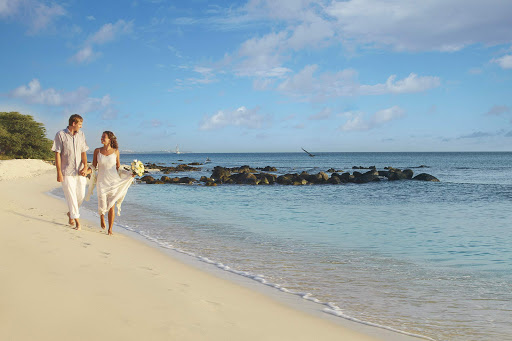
[264,75]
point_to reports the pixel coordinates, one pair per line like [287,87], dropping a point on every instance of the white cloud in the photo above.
[207,77]
[77,101]
[327,85]
[35,14]
[9,7]
[85,55]
[499,109]
[324,114]
[241,117]
[110,32]
[476,135]
[305,85]
[261,57]
[90,18]
[505,62]
[411,84]
[356,121]
[422,26]
[107,33]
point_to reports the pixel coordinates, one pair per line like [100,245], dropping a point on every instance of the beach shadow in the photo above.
[38,218]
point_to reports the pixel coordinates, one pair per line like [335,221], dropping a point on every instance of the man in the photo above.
[71,162]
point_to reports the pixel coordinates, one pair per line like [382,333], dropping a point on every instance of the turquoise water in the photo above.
[432,259]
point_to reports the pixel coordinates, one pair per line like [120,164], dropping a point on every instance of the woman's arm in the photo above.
[95,158]
[118,163]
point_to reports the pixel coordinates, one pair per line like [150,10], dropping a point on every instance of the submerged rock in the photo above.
[425,177]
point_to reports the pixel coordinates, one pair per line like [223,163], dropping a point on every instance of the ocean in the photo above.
[425,258]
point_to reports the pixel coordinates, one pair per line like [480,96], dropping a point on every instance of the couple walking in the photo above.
[112,183]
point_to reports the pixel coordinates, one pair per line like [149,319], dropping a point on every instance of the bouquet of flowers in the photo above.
[137,167]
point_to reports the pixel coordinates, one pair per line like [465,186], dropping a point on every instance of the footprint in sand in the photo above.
[212,306]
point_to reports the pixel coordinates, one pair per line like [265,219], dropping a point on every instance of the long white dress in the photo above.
[111,185]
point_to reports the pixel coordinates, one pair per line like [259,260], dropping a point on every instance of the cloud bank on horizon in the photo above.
[263,75]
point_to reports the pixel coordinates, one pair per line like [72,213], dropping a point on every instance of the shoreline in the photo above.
[211,306]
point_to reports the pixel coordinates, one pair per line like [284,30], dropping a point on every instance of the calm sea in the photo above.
[433,259]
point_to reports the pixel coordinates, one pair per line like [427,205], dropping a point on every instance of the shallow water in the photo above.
[427,258]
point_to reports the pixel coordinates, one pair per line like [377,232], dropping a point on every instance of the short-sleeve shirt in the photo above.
[70,148]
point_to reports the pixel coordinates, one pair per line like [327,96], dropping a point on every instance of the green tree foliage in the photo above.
[23,138]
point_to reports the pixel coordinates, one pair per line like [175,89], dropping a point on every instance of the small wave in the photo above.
[330,308]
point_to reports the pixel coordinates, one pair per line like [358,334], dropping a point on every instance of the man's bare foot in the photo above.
[110,233]
[102,222]
[71,221]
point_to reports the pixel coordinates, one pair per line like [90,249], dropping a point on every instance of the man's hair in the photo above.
[75,119]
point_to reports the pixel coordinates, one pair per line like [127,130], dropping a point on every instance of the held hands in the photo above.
[85,172]
[60,178]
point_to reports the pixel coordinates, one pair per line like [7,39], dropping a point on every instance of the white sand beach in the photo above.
[57,283]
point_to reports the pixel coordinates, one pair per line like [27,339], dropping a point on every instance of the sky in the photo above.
[264,75]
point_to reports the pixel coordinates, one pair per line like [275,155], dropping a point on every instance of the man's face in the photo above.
[77,125]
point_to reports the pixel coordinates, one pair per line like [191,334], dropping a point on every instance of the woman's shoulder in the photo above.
[97,150]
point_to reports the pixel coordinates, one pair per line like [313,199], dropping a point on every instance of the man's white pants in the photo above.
[74,192]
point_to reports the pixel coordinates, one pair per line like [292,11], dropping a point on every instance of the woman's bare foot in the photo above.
[78,228]
[71,221]
[102,222]
[110,232]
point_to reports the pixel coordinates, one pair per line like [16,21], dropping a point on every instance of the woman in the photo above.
[111,185]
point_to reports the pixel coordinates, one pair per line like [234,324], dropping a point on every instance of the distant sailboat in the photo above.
[177,150]
[308,152]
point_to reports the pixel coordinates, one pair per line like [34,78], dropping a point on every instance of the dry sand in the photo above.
[60,284]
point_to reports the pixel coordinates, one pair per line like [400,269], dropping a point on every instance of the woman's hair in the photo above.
[112,138]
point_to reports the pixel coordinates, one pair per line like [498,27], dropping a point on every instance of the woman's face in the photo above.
[104,139]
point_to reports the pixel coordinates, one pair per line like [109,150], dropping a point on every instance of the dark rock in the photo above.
[165,179]
[408,173]
[285,179]
[156,182]
[264,181]
[366,177]
[186,180]
[396,174]
[147,178]
[220,174]
[372,172]
[245,178]
[266,178]
[357,174]
[346,177]
[334,180]
[299,182]
[425,177]
[323,176]
[304,175]
[186,168]
[269,169]
[179,168]
[210,183]
[246,169]
[195,164]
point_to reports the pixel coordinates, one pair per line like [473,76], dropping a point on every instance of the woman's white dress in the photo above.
[111,185]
